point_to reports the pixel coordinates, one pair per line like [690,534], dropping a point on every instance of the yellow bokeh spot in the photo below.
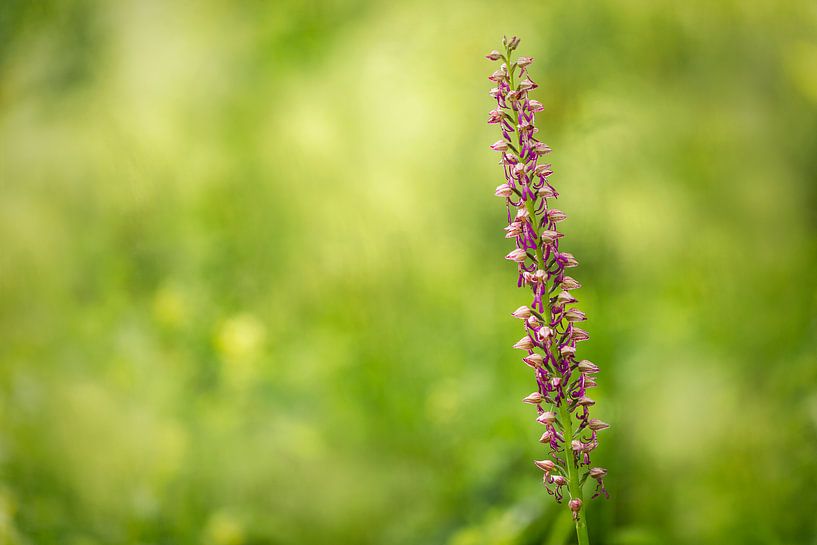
[223,529]
[239,341]
[169,307]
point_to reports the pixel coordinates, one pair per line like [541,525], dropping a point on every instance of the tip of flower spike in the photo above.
[511,43]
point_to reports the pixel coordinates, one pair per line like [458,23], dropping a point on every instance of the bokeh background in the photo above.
[252,287]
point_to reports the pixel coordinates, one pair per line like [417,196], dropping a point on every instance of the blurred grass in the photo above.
[251,286]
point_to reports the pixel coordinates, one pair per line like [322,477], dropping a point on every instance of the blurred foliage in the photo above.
[252,287]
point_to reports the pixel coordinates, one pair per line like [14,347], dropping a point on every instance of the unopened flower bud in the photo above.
[499,145]
[554,214]
[542,170]
[550,236]
[575,506]
[585,401]
[547,417]
[547,192]
[597,425]
[532,322]
[519,255]
[534,360]
[498,76]
[575,315]
[523,313]
[493,55]
[545,465]
[525,343]
[527,85]
[503,190]
[511,43]
[541,148]
[568,259]
[587,366]
[570,283]
[513,230]
[533,399]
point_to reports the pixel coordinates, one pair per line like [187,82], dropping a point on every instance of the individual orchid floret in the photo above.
[550,319]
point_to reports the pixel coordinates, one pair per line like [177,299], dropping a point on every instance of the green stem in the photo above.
[573,484]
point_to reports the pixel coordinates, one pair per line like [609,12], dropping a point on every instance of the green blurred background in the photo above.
[252,287]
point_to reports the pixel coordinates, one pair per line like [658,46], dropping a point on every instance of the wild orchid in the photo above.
[551,319]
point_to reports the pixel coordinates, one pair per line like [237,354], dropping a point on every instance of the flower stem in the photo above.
[574,486]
